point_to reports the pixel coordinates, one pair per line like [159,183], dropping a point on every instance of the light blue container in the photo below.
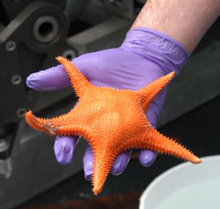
[186,186]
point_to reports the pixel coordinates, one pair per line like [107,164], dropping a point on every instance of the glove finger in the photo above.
[51,79]
[147,157]
[54,78]
[64,147]
[155,108]
[88,160]
[120,163]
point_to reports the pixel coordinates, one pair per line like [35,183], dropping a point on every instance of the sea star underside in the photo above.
[112,121]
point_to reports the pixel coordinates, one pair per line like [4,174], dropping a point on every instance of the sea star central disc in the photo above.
[112,121]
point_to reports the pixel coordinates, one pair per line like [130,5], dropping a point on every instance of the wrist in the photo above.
[161,49]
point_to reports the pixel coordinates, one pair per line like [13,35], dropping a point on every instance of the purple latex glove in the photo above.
[144,56]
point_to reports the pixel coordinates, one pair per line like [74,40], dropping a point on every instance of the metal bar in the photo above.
[105,35]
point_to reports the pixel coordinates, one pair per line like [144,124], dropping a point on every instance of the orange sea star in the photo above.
[112,121]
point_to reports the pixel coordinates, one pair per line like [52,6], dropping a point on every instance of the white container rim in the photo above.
[170,171]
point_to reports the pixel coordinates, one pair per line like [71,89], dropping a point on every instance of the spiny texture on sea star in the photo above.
[112,121]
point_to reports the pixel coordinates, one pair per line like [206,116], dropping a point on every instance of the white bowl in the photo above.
[186,186]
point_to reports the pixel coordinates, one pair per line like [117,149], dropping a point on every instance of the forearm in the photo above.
[184,20]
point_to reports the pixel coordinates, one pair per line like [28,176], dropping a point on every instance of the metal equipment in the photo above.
[32,34]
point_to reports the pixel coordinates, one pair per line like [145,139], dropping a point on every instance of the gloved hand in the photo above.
[144,56]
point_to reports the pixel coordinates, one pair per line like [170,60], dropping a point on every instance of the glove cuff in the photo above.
[168,53]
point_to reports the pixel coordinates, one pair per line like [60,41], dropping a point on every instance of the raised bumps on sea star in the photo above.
[112,121]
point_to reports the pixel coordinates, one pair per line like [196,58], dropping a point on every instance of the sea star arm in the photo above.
[153,140]
[77,79]
[65,124]
[149,92]
[103,160]
[39,124]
